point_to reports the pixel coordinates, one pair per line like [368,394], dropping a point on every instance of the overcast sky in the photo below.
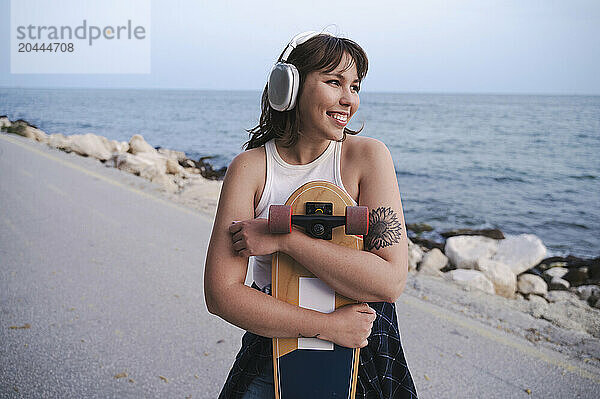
[520,46]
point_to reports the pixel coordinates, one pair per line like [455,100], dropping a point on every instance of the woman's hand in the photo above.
[350,325]
[253,238]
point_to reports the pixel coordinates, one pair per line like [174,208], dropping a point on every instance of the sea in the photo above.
[518,163]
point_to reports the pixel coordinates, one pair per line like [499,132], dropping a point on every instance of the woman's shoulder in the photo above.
[250,162]
[362,148]
[251,167]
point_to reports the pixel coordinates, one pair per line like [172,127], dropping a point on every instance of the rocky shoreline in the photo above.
[515,269]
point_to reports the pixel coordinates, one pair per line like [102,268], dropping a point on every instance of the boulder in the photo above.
[415,255]
[530,284]
[520,252]
[25,129]
[501,276]
[558,283]
[173,167]
[472,279]
[433,261]
[177,156]
[465,251]
[586,291]
[537,299]
[116,146]
[561,296]
[90,145]
[59,141]
[537,305]
[4,122]
[555,272]
[132,164]
[137,145]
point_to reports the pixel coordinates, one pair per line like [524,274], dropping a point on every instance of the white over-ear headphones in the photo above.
[284,78]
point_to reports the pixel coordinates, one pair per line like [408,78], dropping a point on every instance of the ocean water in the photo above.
[522,164]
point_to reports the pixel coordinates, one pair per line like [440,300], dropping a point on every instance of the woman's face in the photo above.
[328,101]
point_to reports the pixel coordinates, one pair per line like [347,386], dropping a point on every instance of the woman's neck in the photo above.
[304,151]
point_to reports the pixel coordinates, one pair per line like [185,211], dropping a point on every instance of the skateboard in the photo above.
[310,367]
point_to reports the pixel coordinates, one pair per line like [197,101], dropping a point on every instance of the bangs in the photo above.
[325,53]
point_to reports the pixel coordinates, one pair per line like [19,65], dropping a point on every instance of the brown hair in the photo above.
[320,53]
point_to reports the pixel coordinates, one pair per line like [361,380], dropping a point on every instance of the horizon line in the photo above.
[506,93]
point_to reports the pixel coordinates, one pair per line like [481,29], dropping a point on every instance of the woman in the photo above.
[299,139]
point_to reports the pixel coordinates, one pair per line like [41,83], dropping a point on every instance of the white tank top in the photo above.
[282,180]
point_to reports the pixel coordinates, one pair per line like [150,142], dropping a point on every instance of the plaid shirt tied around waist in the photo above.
[382,371]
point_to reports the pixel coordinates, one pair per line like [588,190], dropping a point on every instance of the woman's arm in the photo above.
[376,274]
[224,275]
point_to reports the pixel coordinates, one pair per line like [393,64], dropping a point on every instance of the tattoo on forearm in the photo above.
[302,336]
[384,228]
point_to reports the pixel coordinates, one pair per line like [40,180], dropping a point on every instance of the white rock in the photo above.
[537,299]
[160,161]
[556,272]
[558,283]
[153,173]
[537,305]
[586,291]
[90,145]
[131,163]
[503,278]
[116,146]
[177,156]
[520,252]
[4,122]
[59,141]
[190,163]
[560,296]
[137,145]
[415,255]
[471,278]
[434,260]
[465,251]
[531,284]
[31,132]
[173,167]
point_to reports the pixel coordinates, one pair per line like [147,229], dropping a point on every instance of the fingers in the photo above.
[238,245]
[235,226]
[365,308]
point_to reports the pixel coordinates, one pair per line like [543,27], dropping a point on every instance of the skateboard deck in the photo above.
[310,367]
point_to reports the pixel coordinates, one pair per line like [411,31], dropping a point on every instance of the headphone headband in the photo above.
[298,40]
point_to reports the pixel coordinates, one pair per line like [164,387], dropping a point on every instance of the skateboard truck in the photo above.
[318,220]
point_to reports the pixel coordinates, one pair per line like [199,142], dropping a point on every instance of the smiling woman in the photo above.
[302,136]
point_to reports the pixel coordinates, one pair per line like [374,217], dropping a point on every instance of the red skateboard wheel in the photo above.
[280,219]
[357,220]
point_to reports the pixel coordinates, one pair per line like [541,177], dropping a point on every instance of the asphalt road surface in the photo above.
[101,297]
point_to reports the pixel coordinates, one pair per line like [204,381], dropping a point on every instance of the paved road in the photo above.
[108,277]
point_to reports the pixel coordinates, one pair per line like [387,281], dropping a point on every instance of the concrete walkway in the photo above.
[101,295]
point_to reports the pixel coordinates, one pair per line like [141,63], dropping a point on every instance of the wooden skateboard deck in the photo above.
[309,367]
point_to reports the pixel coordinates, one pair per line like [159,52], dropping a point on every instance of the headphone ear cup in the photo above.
[282,87]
